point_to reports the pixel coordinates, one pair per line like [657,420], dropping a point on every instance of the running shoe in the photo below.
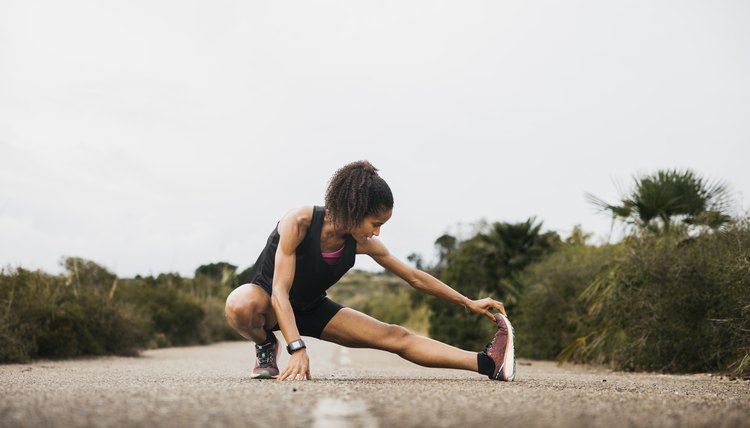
[265,360]
[501,351]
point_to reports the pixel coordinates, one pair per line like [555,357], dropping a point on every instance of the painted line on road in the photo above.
[338,413]
[345,359]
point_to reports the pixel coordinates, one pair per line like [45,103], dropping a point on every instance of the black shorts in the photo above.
[313,319]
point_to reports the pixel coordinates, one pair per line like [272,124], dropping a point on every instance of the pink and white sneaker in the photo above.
[501,351]
[265,360]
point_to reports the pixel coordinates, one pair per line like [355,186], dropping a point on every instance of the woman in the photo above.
[309,251]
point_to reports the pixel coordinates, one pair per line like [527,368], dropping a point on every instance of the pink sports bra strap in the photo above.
[333,257]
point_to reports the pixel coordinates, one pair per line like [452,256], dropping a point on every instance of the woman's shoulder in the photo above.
[301,217]
[294,225]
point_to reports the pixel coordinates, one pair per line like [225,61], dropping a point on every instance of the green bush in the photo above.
[672,304]
[165,316]
[550,312]
[83,326]
[49,317]
[393,307]
[174,311]
[89,311]
[214,327]
[17,329]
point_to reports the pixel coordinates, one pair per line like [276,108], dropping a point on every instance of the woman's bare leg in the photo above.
[356,330]
[249,312]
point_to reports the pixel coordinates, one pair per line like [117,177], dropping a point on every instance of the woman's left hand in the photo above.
[484,306]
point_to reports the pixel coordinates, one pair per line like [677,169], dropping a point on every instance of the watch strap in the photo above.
[295,345]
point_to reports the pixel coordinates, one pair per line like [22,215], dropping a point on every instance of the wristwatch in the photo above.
[295,345]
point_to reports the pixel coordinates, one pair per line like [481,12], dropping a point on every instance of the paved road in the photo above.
[209,386]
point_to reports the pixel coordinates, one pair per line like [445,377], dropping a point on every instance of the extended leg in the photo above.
[356,330]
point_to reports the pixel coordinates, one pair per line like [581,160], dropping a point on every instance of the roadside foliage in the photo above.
[89,311]
[672,296]
[671,304]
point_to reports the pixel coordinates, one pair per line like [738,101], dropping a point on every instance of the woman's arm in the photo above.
[425,282]
[292,229]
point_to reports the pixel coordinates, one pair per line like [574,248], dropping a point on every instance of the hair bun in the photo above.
[364,165]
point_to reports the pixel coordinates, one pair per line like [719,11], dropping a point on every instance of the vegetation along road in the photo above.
[209,386]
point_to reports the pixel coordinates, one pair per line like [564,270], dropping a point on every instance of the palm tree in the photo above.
[508,248]
[487,264]
[660,199]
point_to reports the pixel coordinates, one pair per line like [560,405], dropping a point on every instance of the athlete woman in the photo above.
[310,250]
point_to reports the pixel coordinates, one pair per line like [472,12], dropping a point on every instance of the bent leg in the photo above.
[249,312]
[357,330]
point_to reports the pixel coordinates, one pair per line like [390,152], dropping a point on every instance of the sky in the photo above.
[157,136]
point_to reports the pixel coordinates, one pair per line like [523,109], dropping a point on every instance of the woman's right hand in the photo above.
[298,367]
[484,306]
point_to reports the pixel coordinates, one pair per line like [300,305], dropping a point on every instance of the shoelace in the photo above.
[488,346]
[265,354]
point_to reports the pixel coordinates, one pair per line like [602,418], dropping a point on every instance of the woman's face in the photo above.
[370,226]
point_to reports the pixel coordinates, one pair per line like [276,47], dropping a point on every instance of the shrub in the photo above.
[89,311]
[47,316]
[165,316]
[550,312]
[672,304]
[214,327]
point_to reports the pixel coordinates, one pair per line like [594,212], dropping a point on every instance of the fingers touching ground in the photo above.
[298,367]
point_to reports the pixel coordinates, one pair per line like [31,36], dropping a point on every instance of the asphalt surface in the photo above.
[209,386]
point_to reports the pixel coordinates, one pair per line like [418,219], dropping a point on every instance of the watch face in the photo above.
[295,345]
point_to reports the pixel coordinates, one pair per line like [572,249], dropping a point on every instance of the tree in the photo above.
[445,244]
[215,279]
[216,271]
[86,274]
[244,276]
[660,200]
[509,248]
[487,265]
[417,259]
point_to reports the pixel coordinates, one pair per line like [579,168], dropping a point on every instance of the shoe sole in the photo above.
[509,360]
[263,375]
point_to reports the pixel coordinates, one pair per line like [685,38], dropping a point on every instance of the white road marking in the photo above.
[345,359]
[339,413]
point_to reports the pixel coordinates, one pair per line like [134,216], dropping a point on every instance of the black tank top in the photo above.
[312,275]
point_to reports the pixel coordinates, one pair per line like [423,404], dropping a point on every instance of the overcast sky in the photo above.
[156,136]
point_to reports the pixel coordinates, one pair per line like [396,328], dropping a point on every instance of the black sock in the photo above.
[270,338]
[485,363]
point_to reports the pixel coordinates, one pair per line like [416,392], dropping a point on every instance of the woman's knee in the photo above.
[233,304]
[398,338]
[244,303]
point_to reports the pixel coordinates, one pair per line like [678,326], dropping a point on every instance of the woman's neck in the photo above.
[330,236]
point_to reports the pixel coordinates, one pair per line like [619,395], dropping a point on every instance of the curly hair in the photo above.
[354,192]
